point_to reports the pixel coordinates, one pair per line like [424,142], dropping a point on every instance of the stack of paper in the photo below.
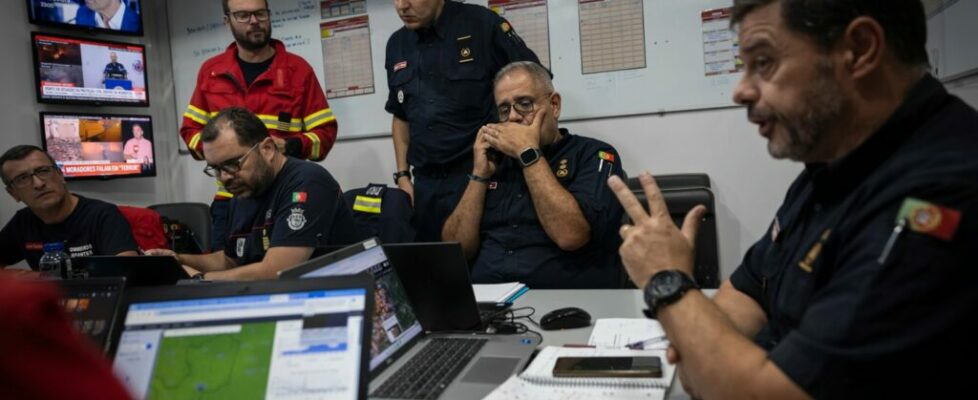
[617,333]
[498,292]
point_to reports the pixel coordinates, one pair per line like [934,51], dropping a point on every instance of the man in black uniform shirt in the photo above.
[283,207]
[864,286]
[542,215]
[87,227]
[114,69]
[440,67]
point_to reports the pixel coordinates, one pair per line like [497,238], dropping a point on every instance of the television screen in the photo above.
[85,71]
[99,145]
[115,16]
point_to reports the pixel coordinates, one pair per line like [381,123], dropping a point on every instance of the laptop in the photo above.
[301,339]
[438,284]
[405,361]
[138,270]
[92,304]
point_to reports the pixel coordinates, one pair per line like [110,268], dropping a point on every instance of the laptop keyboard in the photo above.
[431,370]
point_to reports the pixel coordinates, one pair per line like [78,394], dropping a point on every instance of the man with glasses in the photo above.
[542,214]
[257,73]
[439,72]
[283,207]
[53,214]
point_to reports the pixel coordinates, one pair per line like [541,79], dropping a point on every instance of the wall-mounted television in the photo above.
[92,146]
[114,16]
[71,70]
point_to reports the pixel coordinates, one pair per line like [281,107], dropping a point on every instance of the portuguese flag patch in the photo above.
[604,155]
[929,219]
[298,197]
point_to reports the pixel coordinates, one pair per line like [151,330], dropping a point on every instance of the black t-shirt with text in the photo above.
[94,228]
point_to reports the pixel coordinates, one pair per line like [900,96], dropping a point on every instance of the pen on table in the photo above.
[642,344]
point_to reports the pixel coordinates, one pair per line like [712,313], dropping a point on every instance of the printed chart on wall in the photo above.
[529,19]
[721,48]
[612,35]
[347,64]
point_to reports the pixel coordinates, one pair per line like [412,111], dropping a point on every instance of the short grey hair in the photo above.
[539,74]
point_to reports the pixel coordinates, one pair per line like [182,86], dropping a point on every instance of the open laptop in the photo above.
[138,270]
[299,339]
[438,283]
[405,361]
[92,304]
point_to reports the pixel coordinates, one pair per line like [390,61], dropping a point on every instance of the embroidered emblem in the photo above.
[297,219]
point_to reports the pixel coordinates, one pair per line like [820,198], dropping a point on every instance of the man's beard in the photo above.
[823,106]
[242,39]
[264,177]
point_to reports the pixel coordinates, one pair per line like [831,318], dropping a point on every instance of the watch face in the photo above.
[665,285]
[528,156]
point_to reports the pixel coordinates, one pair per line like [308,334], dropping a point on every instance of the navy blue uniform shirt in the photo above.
[115,70]
[94,228]
[304,207]
[846,317]
[514,245]
[440,80]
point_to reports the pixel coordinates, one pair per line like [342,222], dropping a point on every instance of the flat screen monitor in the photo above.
[112,16]
[87,71]
[99,145]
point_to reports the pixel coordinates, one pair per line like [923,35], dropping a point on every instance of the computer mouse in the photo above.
[565,318]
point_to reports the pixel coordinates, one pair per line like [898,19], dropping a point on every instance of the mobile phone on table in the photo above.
[619,367]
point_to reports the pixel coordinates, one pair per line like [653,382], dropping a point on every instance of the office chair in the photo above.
[196,216]
[680,199]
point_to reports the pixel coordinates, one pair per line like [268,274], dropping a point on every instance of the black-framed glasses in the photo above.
[523,105]
[24,180]
[230,167]
[245,16]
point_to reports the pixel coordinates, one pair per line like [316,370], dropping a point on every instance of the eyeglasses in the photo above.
[24,180]
[229,167]
[245,16]
[523,105]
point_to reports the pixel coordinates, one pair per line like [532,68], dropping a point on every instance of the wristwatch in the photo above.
[400,174]
[529,156]
[666,287]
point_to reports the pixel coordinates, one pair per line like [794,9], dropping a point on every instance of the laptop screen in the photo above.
[299,344]
[92,304]
[395,323]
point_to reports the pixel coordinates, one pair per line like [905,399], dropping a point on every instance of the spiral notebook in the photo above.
[538,383]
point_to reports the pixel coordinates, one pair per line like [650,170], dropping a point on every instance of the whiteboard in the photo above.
[673,78]
[951,33]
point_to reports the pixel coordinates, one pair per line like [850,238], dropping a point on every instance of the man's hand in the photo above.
[163,252]
[653,243]
[511,138]
[482,166]
[404,183]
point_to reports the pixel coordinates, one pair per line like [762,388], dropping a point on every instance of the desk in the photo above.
[600,303]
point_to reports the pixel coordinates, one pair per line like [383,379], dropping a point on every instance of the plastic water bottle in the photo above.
[55,263]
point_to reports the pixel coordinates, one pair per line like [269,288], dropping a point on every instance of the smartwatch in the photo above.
[666,287]
[401,174]
[529,156]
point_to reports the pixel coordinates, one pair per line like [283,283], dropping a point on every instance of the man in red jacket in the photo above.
[257,73]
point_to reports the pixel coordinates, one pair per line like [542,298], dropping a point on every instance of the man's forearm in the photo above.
[719,361]
[557,210]
[400,132]
[215,261]
[463,225]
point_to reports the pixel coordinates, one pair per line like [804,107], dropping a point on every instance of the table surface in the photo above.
[600,303]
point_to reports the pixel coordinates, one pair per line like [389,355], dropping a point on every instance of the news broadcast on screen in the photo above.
[89,72]
[100,146]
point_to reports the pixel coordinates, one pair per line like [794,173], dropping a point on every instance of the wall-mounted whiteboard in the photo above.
[609,57]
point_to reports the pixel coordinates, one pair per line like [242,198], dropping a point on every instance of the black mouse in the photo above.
[565,318]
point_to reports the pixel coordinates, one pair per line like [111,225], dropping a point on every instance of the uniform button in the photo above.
[510,252]
[429,127]
[519,196]
[515,226]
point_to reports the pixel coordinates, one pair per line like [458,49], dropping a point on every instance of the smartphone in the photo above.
[619,367]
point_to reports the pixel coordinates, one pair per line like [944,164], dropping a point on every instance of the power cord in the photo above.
[505,322]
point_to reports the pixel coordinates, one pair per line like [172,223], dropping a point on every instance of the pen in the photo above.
[641,344]
[897,230]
